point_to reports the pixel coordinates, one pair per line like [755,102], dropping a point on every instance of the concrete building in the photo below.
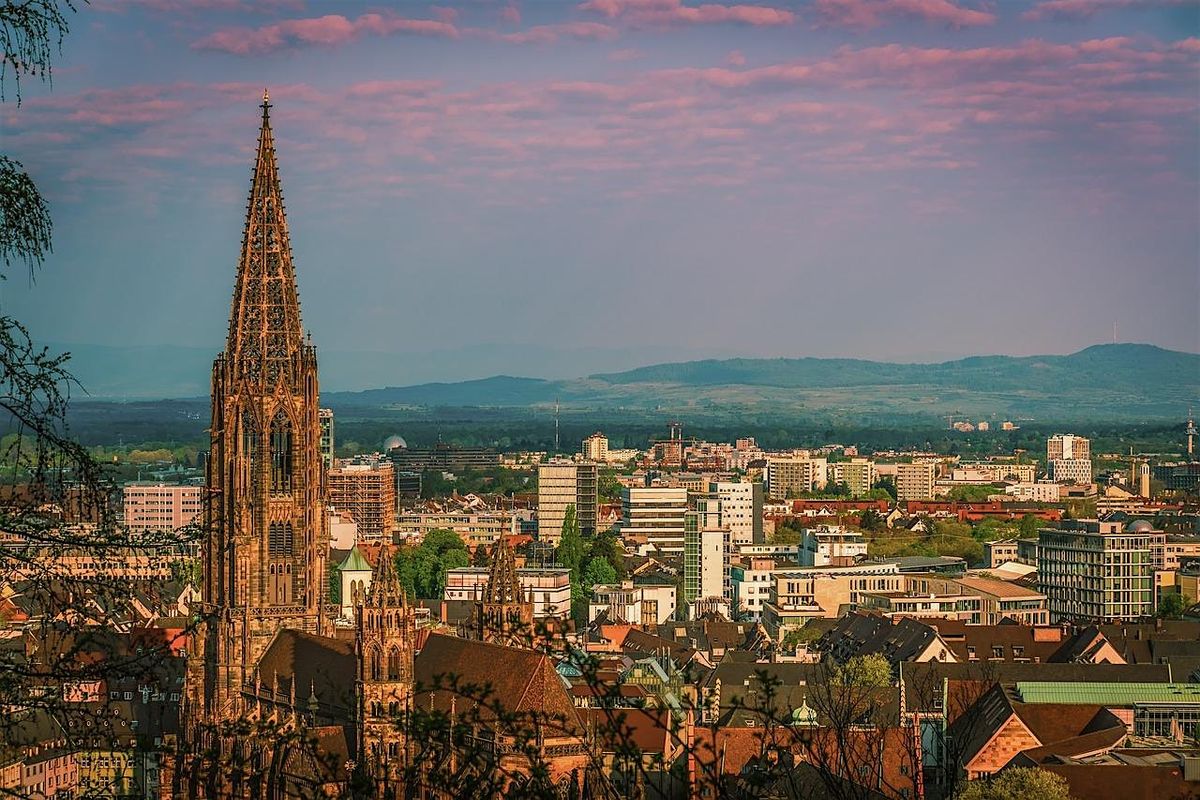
[562,484]
[161,507]
[993,472]
[1071,470]
[999,551]
[633,603]
[705,561]
[652,517]
[915,481]
[595,448]
[858,474]
[1096,570]
[365,490]
[1034,492]
[750,581]
[325,417]
[741,509]
[1065,445]
[549,588]
[474,527]
[789,476]
[831,545]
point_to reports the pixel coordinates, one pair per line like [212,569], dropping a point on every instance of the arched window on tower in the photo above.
[376,665]
[250,445]
[393,671]
[281,454]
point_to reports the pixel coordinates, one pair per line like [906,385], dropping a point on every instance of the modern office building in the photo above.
[366,491]
[562,484]
[631,602]
[161,507]
[652,517]
[1096,570]
[915,481]
[1069,458]
[445,457]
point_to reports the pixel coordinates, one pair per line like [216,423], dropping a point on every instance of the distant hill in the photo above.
[1138,367]
[1116,381]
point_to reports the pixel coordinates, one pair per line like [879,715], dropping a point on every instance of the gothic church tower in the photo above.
[384,642]
[266,539]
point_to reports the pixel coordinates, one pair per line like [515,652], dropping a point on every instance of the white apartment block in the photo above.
[1096,570]
[653,517]
[1071,470]
[636,604]
[915,481]
[550,587]
[831,545]
[473,527]
[1065,445]
[993,472]
[1036,492]
[595,448]
[751,581]
[740,510]
[705,563]
[160,507]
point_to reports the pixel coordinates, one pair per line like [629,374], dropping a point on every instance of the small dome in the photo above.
[1139,526]
[393,442]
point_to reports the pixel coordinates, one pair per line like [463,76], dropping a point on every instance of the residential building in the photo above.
[788,476]
[705,560]
[366,490]
[857,474]
[652,517]
[831,545]
[161,507]
[1096,570]
[634,603]
[750,582]
[595,448]
[562,484]
[1065,445]
[444,456]
[1071,470]
[999,551]
[741,506]
[1034,492]
[549,588]
[993,472]
[915,481]
[474,527]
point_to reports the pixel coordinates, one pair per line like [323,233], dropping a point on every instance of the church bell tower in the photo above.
[266,541]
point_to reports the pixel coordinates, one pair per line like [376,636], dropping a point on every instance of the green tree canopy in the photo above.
[1018,783]
[1172,605]
[570,550]
[422,569]
[598,571]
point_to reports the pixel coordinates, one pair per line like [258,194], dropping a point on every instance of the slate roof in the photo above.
[317,664]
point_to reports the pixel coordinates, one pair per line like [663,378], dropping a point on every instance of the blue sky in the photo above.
[897,179]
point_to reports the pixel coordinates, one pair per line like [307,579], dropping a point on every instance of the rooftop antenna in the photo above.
[556,426]
[1114,331]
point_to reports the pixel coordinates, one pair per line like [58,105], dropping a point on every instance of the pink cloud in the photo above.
[546,34]
[625,54]
[669,12]
[331,29]
[735,58]
[1082,9]
[511,14]
[864,14]
[444,14]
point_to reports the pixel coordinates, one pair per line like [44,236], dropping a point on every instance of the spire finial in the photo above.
[266,97]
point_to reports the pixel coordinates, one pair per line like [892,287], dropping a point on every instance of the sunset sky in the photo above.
[898,179]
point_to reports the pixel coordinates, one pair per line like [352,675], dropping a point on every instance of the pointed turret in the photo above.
[266,339]
[503,585]
[386,590]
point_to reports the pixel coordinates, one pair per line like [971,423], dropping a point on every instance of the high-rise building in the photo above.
[325,415]
[266,538]
[562,484]
[160,507]
[915,481]
[1096,570]
[653,516]
[367,492]
[788,476]
[705,559]
[741,510]
[595,448]
[1066,445]
[857,474]
[1071,470]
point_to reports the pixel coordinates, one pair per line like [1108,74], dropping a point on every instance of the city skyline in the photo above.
[787,179]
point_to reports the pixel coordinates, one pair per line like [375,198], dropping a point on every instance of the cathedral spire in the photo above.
[386,590]
[265,335]
[503,585]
